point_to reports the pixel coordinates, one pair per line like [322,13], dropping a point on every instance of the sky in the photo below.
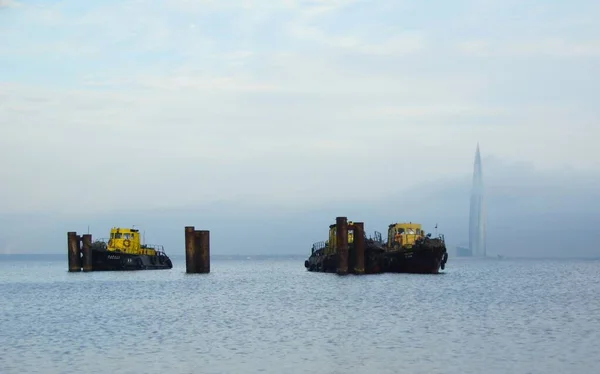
[290,106]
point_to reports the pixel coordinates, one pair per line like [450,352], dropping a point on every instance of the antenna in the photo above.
[143,235]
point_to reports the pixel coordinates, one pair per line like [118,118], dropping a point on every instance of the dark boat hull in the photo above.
[427,257]
[417,262]
[103,260]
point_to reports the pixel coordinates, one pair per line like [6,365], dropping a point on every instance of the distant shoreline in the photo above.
[237,256]
[61,256]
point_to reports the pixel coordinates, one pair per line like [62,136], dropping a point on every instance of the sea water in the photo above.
[269,315]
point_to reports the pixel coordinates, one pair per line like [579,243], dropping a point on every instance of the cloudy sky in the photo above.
[116,105]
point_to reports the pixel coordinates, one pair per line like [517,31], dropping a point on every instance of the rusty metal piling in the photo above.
[342,244]
[73,251]
[359,248]
[202,251]
[86,250]
[190,250]
[197,250]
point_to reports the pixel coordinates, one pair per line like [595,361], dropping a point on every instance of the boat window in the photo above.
[411,231]
[112,235]
[400,230]
[118,235]
[126,236]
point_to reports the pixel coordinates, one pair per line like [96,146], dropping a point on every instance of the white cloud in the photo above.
[9,4]
[152,112]
[396,45]
[543,48]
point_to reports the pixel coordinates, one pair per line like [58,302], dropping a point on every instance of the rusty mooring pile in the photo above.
[341,233]
[79,251]
[197,250]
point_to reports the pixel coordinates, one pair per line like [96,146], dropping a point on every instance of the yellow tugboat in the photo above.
[410,250]
[124,251]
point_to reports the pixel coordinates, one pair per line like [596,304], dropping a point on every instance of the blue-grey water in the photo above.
[271,316]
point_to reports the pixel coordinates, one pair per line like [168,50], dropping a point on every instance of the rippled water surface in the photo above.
[271,316]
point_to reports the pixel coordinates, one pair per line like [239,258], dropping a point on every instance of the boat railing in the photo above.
[376,237]
[160,249]
[318,245]
[157,247]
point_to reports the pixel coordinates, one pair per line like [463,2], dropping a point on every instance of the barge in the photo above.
[407,249]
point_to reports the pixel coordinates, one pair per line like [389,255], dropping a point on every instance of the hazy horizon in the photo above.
[520,223]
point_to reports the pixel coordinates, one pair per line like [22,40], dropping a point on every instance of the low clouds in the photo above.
[530,213]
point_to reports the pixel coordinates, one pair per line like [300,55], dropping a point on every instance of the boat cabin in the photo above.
[404,234]
[128,241]
[330,244]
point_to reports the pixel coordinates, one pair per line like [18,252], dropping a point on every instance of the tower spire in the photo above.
[477,212]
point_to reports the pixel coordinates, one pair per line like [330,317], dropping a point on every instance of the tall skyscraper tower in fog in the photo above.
[477,213]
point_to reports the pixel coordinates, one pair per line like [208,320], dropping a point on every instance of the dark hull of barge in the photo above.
[427,256]
[103,260]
